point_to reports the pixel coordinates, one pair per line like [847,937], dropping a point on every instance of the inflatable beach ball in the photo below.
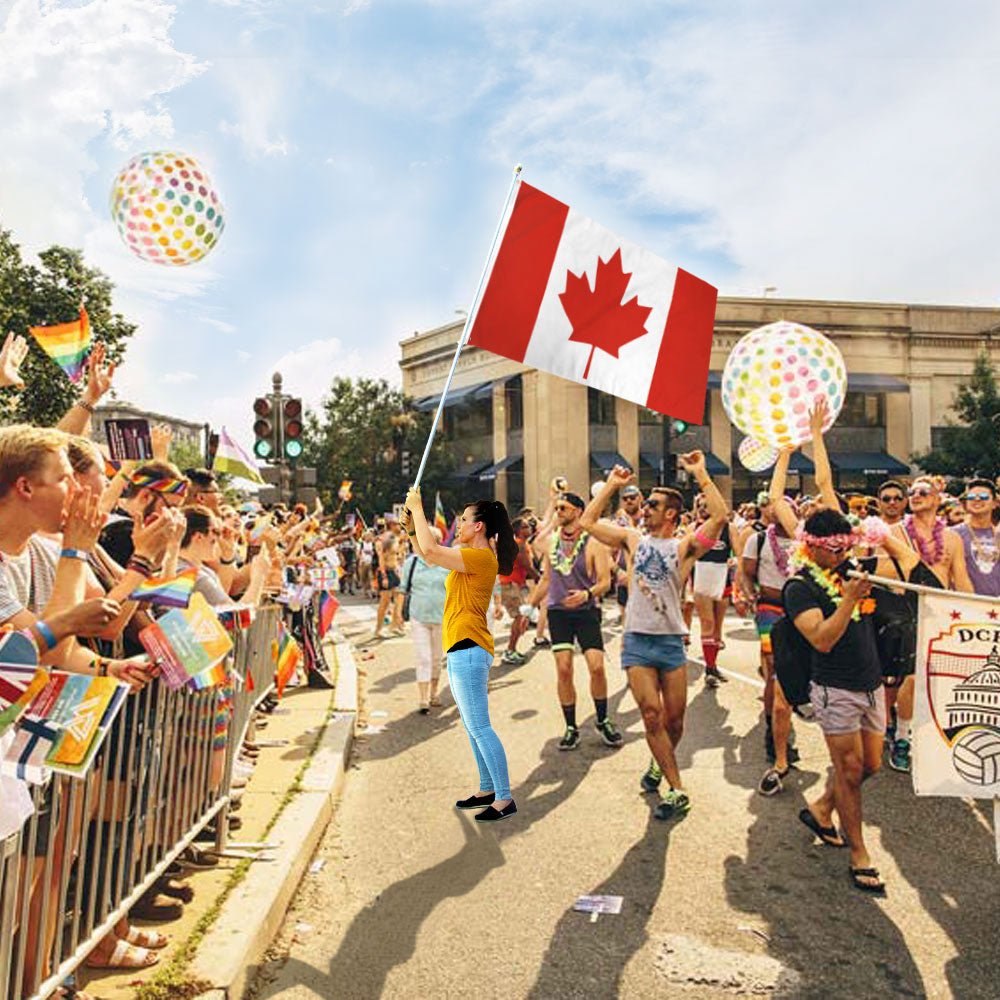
[773,378]
[755,455]
[166,209]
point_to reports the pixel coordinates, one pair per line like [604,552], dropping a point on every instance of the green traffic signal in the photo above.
[293,448]
[680,426]
[262,448]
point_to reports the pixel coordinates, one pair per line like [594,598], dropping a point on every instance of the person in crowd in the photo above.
[366,560]
[710,574]
[892,502]
[628,515]
[203,490]
[980,537]
[424,584]
[390,558]
[485,545]
[513,590]
[653,653]
[575,575]
[830,612]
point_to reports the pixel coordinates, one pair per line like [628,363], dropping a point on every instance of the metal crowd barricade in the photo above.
[95,845]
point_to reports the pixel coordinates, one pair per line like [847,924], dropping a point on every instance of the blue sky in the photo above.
[363,150]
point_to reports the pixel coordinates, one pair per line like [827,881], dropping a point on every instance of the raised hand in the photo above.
[161,435]
[99,375]
[82,521]
[13,352]
[620,476]
[693,461]
[818,416]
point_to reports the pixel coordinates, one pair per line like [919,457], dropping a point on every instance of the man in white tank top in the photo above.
[653,645]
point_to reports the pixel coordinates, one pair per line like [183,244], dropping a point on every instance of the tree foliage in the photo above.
[972,447]
[45,294]
[361,433]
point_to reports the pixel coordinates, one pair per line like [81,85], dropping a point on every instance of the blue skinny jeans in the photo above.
[468,670]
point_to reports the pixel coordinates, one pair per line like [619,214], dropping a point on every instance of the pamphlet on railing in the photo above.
[186,642]
[63,726]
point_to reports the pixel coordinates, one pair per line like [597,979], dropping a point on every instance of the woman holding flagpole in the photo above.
[484,545]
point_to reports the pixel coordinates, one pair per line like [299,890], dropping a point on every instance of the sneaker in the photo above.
[542,643]
[771,784]
[513,657]
[650,781]
[899,758]
[713,677]
[674,804]
[571,739]
[610,734]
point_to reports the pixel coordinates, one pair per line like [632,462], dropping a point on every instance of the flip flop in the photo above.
[828,834]
[878,889]
[126,956]
[142,938]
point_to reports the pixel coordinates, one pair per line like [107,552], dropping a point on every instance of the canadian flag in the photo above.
[567,296]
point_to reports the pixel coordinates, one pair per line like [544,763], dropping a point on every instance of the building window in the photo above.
[600,408]
[863,409]
[514,403]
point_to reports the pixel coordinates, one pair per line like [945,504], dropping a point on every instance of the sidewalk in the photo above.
[287,803]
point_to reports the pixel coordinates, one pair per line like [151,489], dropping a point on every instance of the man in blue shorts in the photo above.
[653,645]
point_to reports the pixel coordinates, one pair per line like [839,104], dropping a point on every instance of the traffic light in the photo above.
[680,426]
[404,463]
[213,447]
[264,428]
[292,417]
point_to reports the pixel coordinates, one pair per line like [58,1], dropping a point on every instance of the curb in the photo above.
[233,947]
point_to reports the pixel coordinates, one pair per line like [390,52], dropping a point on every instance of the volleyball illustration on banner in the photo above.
[755,455]
[166,209]
[774,376]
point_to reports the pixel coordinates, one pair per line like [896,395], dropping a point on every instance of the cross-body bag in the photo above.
[407,590]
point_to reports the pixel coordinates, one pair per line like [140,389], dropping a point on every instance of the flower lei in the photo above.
[780,553]
[932,558]
[831,585]
[561,563]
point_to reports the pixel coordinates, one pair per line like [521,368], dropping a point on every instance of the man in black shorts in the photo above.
[576,574]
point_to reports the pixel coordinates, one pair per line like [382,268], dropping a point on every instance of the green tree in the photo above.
[361,433]
[44,294]
[972,447]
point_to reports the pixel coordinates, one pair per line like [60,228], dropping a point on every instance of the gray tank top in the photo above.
[654,593]
[575,577]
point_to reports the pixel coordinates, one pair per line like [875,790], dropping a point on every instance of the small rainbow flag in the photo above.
[328,605]
[287,655]
[171,591]
[215,676]
[67,344]
[440,521]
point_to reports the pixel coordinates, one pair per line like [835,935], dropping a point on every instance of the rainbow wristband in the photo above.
[45,631]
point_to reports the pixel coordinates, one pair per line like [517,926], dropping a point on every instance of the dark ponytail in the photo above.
[494,516]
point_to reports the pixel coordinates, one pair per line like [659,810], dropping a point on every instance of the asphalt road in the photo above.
[415,899]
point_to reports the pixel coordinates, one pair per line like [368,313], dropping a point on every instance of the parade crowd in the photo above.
[833,649]
[78,535]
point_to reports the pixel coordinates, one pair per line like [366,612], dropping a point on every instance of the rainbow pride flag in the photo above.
[67,344]
[171,591]
[440,521]
[328,605]
[287,655]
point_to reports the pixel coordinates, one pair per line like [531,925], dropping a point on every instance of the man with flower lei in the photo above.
[940,549]
[653,653]
[833,614]
[576,574]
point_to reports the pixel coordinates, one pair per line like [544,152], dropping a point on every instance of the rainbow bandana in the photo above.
[174,486]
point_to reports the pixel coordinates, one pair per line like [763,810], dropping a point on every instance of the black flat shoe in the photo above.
[490,815]
[476,801]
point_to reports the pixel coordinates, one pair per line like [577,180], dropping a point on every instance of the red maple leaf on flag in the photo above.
[599,317]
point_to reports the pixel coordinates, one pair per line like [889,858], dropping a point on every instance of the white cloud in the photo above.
[220,324]
[259,89]
[355,7]
[178,378]
[243,356]
[829,155]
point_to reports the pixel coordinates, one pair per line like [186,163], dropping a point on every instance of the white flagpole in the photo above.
[884,581]
[466,329]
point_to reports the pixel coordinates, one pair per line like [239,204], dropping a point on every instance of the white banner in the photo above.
[956,719]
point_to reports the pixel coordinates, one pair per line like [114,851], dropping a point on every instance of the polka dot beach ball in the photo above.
[774,376]
[755,455]
[166,209]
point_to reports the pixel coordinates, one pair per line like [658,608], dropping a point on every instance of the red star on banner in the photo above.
[956,616]
[993,615]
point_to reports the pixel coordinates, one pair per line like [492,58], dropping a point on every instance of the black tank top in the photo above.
[719,553]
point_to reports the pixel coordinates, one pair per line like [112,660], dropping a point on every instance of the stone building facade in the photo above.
[513,428]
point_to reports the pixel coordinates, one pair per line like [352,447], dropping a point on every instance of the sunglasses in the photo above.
[920,491]
[892,498]
[984,495]
[655,504]
[565,506]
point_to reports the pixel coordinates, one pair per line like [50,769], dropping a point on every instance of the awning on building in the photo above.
[464,394]
[650,459]
[714,465]
[490,472]
[461,475]
[868,463]
[860,382]
[607,460]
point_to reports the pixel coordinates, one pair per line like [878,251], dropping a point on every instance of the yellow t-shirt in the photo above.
[467,599]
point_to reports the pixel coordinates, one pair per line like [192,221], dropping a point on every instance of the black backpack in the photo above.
[793,657]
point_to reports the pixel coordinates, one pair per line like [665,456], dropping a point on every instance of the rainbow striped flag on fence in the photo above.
[287,653]
[67,344]
[172,591]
